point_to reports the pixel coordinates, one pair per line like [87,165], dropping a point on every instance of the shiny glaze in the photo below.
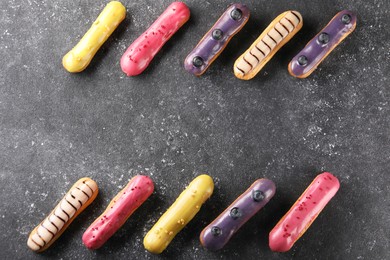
[118,211]
[182,211]
[278,33]
[315,51]
[81,55]
[302,214]
[209,47]
[218,233]
[80,195]
[141,52]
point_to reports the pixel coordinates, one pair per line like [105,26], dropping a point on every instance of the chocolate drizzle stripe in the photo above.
[32,239]
[44,242]
[281,35]
[290,22]
[47,229]
[66,213]
[299,20]
[59,216]
[284,27]
[254,56]
[272,38]
[248,63]
[88,186]
[260,50]
[243,72]
[83,192]
[267,45]
[81,204]
[71,204]
[51,222]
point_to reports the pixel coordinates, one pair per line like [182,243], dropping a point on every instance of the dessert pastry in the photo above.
[82,193]
[182,211]
[278,33]
[216,39]
[81,55]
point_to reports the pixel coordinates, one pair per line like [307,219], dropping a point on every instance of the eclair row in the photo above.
[141,52]
[213,237]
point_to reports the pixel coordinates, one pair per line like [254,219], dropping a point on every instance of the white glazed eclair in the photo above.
[278,33]
[82,193]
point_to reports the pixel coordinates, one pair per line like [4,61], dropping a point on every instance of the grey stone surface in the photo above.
[57,127]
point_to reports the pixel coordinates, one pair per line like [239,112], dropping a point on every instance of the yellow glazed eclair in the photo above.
[278,33]
[81,55]
[186,206]
[82,193]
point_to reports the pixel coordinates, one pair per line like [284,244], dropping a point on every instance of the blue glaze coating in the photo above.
[208,49]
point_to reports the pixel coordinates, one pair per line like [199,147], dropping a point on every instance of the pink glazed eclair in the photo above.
[303,213]
[118,211]
[141,52]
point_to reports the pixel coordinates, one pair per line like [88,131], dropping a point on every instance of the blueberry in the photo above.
[302,60]
[323,38]
[236,14]
[197,61]
[216,231]
[235,213]
[217,34]
[346,19]
[257,195]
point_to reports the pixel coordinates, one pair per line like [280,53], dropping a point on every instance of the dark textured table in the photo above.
[57,127]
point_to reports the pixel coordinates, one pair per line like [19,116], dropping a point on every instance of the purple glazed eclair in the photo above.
[216,39]
[218,233]
[306,61]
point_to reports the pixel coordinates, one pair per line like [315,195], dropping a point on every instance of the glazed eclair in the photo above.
[303,213]
[218,233]
[216,39]
[307,60]
[182,211]
[121,207]
[82,54]
[141,52]
[82,193]
[278,33]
